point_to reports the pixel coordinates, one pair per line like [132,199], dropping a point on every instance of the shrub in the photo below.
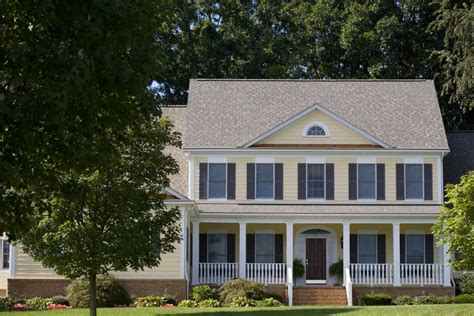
[59,300]
[149,301]
[210,302]
[38,303]
[337,269]
[275,296]
[467,283]
[464,299]
[403,300]
[242,301]
[5,303]
[109,293]
[204,292]
[170,300]
[269,302]
[376,299]
[298,268]
[432,299]
[188,303]
[240,288]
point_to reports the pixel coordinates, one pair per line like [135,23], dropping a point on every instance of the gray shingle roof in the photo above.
[460,159]
[404,114]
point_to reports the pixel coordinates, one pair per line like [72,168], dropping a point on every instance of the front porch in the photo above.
[386,253]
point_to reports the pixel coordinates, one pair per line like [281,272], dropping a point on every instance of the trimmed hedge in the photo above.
[464,299]
[432,299]
[375,299]
[404,300]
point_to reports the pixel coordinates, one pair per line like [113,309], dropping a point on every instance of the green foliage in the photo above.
[375,299]
[5,303]
[298,268]
[467,283]
[456,222]
[275,296]
[240,288]
[109,293]
[210,302]
[337,269]
[464,299]
[188,303]
[59,300]
[269,302]
[149,301]
[404,300]
[204,292]
[38,303]
[432,299]
[242,301]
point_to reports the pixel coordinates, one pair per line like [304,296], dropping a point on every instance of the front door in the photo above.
[316,261]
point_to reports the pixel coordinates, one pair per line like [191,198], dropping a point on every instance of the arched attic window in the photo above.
[316,129]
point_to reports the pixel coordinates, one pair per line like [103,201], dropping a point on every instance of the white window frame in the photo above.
[424,247]
[226,179]
[422,199]
[273,186]
[255,245]
[316,123]
[225,245]
[375,182]
[376,246]
[324,181]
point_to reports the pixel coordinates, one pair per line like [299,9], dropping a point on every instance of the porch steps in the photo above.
[319,295]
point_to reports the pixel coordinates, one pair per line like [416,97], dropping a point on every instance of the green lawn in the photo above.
[464,309]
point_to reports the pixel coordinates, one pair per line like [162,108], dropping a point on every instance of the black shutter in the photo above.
[231,248]
[352,181]
[231,181]
[402,248]
[400,175]
[301,181]
[203,181]
[380,248]
[429,250]
[250,181]
[250,248]
[428,181]
[329,181]
[202,247]
[353,246]
[278,181]
[278,248]
[380,181]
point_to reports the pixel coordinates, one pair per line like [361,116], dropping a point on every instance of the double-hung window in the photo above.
[5,254]
[217,248]
[413,181]
[264,248]
[217,180]
[264,178]
[366,181]
[415,248]
[315,175]
[367,248]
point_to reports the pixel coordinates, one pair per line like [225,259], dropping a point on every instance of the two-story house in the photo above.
[315,170]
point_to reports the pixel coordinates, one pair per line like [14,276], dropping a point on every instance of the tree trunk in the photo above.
[93,294]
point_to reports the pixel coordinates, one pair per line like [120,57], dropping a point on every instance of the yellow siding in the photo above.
[293,134]
[4,274]
[26,267]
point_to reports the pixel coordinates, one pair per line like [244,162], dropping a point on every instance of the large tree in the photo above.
[455,227]
[112,217]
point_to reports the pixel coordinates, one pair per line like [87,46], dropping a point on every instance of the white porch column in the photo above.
[396,254]
[12,263]
[289,261]
[184,244]
[346,258]
[447,266]
[195,278]
[242,249]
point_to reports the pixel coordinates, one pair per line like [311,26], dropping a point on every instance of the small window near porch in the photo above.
[367,248]
[217,248]
[415,248]
[264,248]
[5,254]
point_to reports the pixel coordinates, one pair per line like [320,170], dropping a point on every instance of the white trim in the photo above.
[325,128]
[184,243]
[413,160]
[366,160]
[440,179]
[264,160]
[216,159]
[315,160]
[254,150]
[191,177]
[176,193]
[323,110]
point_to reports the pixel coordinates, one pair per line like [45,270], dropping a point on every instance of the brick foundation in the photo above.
[358,291]
[27,288]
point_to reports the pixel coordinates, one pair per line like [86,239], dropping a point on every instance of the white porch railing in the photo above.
[217,273]
[371,273]
[348,286]
[417,273]
[266,273]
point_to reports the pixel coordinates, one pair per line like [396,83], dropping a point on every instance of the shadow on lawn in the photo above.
[273,312]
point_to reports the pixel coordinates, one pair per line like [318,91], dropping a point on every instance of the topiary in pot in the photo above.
[298,268]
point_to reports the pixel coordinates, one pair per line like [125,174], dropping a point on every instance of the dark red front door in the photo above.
[316,260]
